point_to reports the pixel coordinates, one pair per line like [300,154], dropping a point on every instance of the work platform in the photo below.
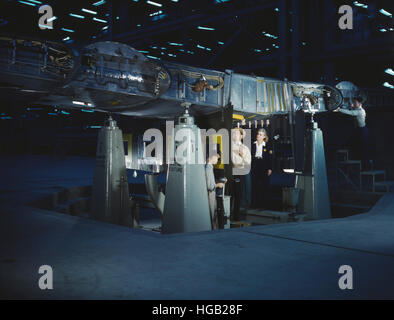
[94,260]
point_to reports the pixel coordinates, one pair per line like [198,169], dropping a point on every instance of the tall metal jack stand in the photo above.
[110,193]
[186,207]
[314,195]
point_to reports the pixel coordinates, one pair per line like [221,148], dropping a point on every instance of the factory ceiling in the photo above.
[264,37]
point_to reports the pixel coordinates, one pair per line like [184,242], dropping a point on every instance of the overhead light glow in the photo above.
[67,30]
[52,19]
[388,85]
[100,20]
[269,35]
[205,48]
[175,44]
[386,13]
[80,103]
[89,11]
[154,3]
[152,57]
[155,13]
[358,4]
[76,16]
[389,71]
[205,28]
[99,3]
[28,3]
[42,26]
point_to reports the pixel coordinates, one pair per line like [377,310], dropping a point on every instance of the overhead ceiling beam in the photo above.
[224,47]
[270,60]
[189,21]
[371,47]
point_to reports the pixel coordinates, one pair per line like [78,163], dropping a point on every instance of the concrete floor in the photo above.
[93,260]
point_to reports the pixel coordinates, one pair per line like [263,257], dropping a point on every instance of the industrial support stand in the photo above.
[110,194]
[314,196]
[186,207]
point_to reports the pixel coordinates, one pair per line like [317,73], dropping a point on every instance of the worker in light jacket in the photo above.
[360,136]
[241,159]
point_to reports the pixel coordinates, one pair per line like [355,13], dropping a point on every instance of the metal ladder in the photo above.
[343,163]
[342,168]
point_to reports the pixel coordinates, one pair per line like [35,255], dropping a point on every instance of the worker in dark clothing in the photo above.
[261,169]
[211,186]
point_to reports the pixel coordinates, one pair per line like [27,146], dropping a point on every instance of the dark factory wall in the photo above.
[337,130]
[65,136]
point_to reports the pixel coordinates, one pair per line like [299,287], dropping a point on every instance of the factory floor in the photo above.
[93,260]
